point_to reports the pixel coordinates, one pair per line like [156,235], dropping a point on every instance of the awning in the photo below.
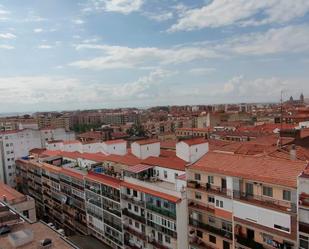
[139,168]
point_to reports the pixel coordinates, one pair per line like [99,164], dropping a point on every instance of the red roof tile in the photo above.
[262,168]
[162,195]
[104,179]
[194,141]
[171,163]
[147,141]
[116,141]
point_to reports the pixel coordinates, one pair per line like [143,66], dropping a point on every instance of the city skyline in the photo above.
[94,54]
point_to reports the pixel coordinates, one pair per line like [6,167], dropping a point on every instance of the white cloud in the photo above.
[289,39]
[125,57]
[44,46]
[4,14]
[8,47]
[78,21]
[121,6]
[220,13]
[38,30]
[159,17]
[7,36]
[202,70]
[59,92]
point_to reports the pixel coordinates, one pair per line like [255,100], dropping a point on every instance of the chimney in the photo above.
[293,152]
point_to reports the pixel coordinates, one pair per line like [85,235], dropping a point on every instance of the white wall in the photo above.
[14,146]
[92,148]
[182,224]
[170,174]
[71,147]
[145,150]
[227,203]
[261,216]
[191,153]
[119,148]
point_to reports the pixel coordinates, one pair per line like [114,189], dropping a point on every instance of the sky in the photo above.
[74,54]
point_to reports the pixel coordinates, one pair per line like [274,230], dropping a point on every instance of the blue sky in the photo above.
[69,54]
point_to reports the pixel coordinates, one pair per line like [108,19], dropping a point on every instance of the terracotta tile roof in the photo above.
[9,193]
[162,195]
[194,141]
[38,151]
[73,173]
[104,179]
[147,141]
[139,168]
[182,177]
[194,129]
[127,159]
[72,142]
[171,163]
[168,144]
[262,168]
[116,141]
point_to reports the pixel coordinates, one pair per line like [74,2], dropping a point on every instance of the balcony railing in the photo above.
[136,233]
[139,218]
[157,244]
[248,243]
[266,201]
[209,228]
[113,225]
[210,188]
[133,200]
[161,211]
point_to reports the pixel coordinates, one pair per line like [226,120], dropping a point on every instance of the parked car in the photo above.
[5,229]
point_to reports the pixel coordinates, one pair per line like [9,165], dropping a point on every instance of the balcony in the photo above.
[216,190]
[113,225]
[204,207]
[138,234]
[249,243]
[127,213]
[157,244]
[162,211]
[199,243]
[265,201]
[209,228]
[112,210]
[133,200]
[162,229]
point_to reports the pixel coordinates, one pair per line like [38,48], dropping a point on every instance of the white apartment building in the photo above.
[17,144]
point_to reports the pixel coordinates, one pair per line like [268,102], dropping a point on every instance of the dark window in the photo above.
[197,177]
[212,239]
[286,195]
[199,233]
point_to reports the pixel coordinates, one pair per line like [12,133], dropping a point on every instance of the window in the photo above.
[211,179]
[303,242]
[268,191]
[212,239]
[165,174]
[130,222]
[198,196]
[226,226]
[129,206]
[158,203]
[136,224]
[199,233]
[134,193]
[211,199]
[136,209]
[176,175]
[166,204]
[167,239]
[219,203]
[128,191]
[286,195]
[211,219]
[197,177]
[281,227]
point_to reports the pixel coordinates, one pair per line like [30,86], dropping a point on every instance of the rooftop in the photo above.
[40,232]
[259,168]
[9,193]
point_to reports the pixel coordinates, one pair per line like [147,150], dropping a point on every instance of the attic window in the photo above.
[114,147]
[196,150]
[147,148]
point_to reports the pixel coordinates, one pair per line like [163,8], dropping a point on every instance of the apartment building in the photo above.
[13,145]
[238,201]
[53,120]
[132,200]
[16,144]
[303,209]
[58,192]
